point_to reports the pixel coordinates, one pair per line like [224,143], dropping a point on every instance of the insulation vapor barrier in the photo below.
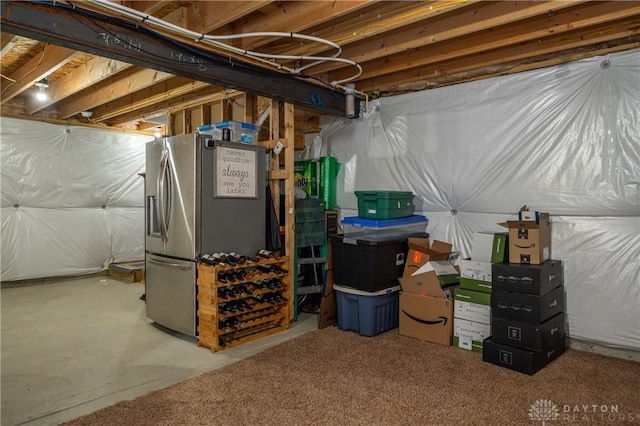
[562,139]
[72,201]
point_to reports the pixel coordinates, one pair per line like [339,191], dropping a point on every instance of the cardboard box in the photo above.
[529,240]
[420,253]
[525,335]
[490,247]
[447,273]
[527,307]
[532,279]
[518,359]
[470,334]
[426,318]
[475,276]
[473,306]
[426,309]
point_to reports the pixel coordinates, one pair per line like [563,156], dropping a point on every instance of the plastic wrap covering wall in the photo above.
[71,201]
[564,139]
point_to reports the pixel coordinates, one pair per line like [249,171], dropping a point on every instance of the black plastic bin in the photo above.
[370,264]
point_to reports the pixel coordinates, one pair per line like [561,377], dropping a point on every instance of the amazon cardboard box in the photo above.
[420,252]
[529,240]
[426,308]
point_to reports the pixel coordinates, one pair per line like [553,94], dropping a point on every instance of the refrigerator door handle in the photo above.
[159,191]
[162,197]
[170,264]
[169,197]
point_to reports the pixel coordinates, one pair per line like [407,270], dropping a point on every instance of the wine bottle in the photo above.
[241,260]
[265,254]
[224,258]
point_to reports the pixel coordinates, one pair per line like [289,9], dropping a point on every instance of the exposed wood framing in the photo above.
[289,222]
[39,67]
[83,77]
[125,44]
[282,174]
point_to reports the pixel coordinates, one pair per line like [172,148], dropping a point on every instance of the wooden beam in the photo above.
[591,16]
[526,65]
[82,77]
[132,81]
[205,114]
[186,121]
[113,39]
[187,101]
[179,91]
[483,16]
[249,100]
[204,18]
[171,124]
[37,68]
[383,17]
[147,125]
[294,17]
[289,234]
[151,7]
[274,161]
[6,42]
[502,60]
[74,123]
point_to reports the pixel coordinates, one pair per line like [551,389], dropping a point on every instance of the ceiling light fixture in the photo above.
[157,133]
[42,85]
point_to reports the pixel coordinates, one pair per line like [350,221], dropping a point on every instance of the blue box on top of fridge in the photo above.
[368,313]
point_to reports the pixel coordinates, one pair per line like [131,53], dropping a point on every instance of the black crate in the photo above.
[532,279]
[369,265]
[527,307]
[527,335]
[518,359]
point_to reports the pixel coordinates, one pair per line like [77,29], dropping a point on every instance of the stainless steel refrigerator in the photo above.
[201,196]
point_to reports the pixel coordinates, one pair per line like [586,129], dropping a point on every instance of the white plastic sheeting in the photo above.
[71,199]
[563,139]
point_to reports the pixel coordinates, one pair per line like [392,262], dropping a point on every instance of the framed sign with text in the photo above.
[236,173]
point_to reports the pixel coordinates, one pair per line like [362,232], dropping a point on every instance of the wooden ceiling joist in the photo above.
[50,59]
[83,77]
[134,80]
[498,61]
[129,45]
[400,45]
[502,37]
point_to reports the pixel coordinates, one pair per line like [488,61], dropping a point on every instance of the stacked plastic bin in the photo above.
[369,257]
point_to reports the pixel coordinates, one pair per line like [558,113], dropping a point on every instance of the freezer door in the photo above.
[171,293]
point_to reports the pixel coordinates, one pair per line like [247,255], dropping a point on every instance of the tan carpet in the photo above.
[334,377]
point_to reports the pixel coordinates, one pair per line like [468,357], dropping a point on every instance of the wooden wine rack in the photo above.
[260,320]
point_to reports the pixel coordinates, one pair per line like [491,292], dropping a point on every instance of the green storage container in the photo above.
[384,204]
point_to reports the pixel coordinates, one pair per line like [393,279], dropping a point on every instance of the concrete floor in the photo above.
[72,347]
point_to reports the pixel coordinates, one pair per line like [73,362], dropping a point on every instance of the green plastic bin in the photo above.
[384,204]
